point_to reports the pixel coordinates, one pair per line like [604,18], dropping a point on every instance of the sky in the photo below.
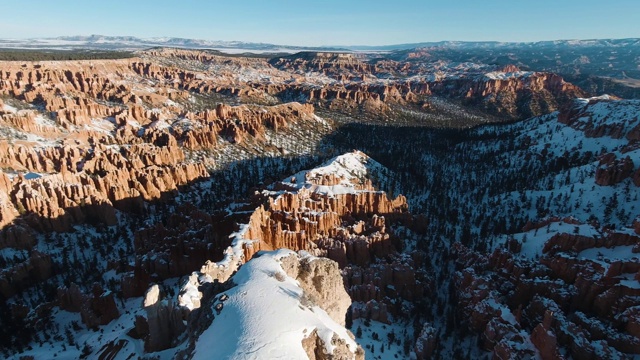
[330,22]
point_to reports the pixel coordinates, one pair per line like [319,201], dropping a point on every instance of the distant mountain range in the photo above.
[100,42]
[503,45]
[134,43]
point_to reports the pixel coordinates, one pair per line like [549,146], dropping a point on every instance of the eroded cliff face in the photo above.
[349,83]
[97,308]
[321,283]
[105,141]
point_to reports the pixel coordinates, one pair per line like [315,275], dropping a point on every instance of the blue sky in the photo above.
[330,22]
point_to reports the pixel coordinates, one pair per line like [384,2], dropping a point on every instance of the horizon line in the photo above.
[321,46]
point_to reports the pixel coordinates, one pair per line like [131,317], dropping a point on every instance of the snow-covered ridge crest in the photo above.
[271,315]
[604,116]
[499,75]
[343,174]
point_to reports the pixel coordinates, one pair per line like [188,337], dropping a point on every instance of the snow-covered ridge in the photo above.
[266,316]
[348,173]
[608,112]
[498,75]
[102,41]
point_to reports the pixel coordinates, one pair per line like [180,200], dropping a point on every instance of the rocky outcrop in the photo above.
[383,281]
[182,244]
[98,308]
[545,92]
[321,281]
[235,123]
[544,339]
[342,66]
[563,242]
[316,348]
[111,139]
[426,343]
[18,236]
[349,84]
[37,267]
[55,202]
[314,221]
[163,324]
[272,297]
[613,171]
[90,181]
[372,310]
[304,216]
[593,117]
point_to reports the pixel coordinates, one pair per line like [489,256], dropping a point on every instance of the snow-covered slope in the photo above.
[269,316]
[561,164]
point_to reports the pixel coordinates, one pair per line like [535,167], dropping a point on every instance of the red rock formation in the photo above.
[350,92]
[545,340]
[299,221]
[96,309]
[235,123]
[426,343]
[381,282]
[371,310]
[584,116]
[334,64]
[18,236]
[612,171]
[496,330]
[568,302]
[163,321]
[36,268]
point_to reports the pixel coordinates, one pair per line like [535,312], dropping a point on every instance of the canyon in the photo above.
[182,203]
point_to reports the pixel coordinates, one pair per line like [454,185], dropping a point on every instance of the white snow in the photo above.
[9,108]
[371,346]
[497,75]
[533,241]
[629,281]
[602,110]
[101,125]
[616,253]
[94,340]
[351,168]
[43,121]
[265,316]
